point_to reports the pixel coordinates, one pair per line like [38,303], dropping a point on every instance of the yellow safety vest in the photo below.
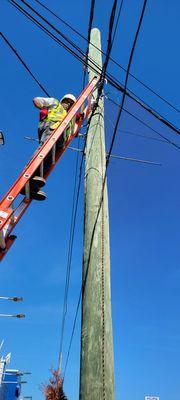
[56,114]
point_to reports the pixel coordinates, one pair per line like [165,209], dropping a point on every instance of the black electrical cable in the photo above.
[73,217]
[91,17]
[72,333]
[110,39]
[142,136]
[24,64]
[74,213]
[108,51]
[111,59]
[101,201]
[74,210]
[107,163]
[151,111]
[136,134]
[51,35]
[81,289]
[111,80]
[75,202]
[44,29]
[70,249]
[80,175]
[117,22]
[65,37]
[145,124]
[126,81]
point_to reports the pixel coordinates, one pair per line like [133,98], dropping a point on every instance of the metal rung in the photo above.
[4,234]
[54,154]
[27,190]
[42,169]
[2,240]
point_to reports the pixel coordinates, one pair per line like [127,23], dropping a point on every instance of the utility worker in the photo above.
[52,112]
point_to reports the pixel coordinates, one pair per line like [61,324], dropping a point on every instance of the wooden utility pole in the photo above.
[97,361]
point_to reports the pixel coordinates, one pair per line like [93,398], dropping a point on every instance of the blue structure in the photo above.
[10,382]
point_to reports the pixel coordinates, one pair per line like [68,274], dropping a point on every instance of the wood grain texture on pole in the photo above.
[97,361]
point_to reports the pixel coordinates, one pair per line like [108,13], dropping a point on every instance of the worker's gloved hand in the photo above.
[43,114]
[79,117]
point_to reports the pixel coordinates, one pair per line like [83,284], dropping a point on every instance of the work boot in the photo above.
[36,183]
[39,195]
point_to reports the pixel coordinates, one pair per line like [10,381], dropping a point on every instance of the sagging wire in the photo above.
[144,123]
[111,80]
[111,59]
[91,17]
[24,64]
[102,194]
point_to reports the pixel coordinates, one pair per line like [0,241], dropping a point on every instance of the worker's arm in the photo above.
[45,102]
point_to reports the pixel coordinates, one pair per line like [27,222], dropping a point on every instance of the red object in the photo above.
[79,117]
[43,114]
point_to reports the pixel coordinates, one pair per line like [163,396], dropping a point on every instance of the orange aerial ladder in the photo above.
[12,206]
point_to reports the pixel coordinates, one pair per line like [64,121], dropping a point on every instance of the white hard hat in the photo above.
[68,97]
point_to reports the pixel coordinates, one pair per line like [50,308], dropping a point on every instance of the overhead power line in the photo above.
[107,163]
[44,29]
[24,64]
[142,136]
[117,22]
[111,59]
[91,17]
[76,194]
[104,74]
[74,209]
[126,80]
[145,124]
[103,185]
[135,133]
[111,80]
[108,52]
[110,39]
[65,37]
[109,48]
[73,331]
[43,89]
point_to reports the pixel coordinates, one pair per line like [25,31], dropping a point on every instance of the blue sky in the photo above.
[143,204]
